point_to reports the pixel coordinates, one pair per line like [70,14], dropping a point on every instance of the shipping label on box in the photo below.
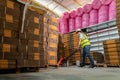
[36,31]
[53,45]
[9,18]
[54,27]
[10,4]
[52,53]
[45,20]
[54,19]
[7,33]
[6,48]
[3,64]
[52,62]
[36,43]
[53,36]
[36,20]
[36,56]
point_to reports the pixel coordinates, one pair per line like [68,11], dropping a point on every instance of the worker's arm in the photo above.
[80,36]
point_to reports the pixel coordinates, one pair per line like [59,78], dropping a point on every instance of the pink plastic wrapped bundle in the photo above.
[71,24]
[106,2]
[93,17]
[96,4]
[112,10]
[85,20]
[87,8]
[79,12]
[103,14]
[63,25]
[73,14]
[78,23]
[66,15]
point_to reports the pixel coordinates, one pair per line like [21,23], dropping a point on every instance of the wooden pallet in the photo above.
[112,65]
[107,65]
[19,70]
[99,65]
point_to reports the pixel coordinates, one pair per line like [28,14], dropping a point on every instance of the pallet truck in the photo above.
[63,60]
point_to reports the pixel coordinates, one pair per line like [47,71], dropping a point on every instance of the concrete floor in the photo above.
[67,73]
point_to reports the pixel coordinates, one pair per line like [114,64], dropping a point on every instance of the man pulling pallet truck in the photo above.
[84,43]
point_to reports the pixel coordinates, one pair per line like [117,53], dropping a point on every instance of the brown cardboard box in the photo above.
[7,64]
[7,33]
[9,18]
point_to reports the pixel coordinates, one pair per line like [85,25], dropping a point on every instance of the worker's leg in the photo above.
[87,50]
[84,57]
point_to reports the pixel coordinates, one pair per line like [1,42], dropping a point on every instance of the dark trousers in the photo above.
[86,53]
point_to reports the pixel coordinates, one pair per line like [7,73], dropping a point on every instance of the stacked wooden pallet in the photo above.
[60,47]
[9,28]
[52,38]
[27,48]
[29,39]
[118,15]
[70,41]
[112,52]
[66,38]
[97,56]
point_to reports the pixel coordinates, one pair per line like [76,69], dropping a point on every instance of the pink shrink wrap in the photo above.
[103,13]
[79,12]
[64,25]
[78,23]
[87,8]
[96,4]
[66,15]
[93,17]
[106,2]
[71,24]
[73,14]
[112,10]
[85,20]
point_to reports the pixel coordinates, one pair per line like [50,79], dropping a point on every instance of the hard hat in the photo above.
[78,30]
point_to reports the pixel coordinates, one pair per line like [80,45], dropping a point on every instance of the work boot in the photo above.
[81,65]
[92,66]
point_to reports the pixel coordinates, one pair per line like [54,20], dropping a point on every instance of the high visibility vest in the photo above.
[84,41]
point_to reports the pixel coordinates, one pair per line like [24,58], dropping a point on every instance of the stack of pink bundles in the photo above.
[72,21]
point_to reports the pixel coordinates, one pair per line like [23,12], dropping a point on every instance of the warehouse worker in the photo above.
[84,43]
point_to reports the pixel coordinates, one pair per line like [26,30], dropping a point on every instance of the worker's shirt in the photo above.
[81,36]
[83,40]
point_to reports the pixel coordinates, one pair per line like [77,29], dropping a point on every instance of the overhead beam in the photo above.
[46,8]
[61,5]
[77,2]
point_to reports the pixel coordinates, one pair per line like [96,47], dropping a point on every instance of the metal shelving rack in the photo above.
[101,32]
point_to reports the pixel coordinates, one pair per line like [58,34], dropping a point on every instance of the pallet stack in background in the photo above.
[10,11]
[70,43]
[52,38]
[97,56]
[118,15]
[66,45]
[112,52]
[30,39]
[60,47]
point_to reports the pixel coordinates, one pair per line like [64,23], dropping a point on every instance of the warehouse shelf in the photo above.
[93,36]
[101,32]
[101,26]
